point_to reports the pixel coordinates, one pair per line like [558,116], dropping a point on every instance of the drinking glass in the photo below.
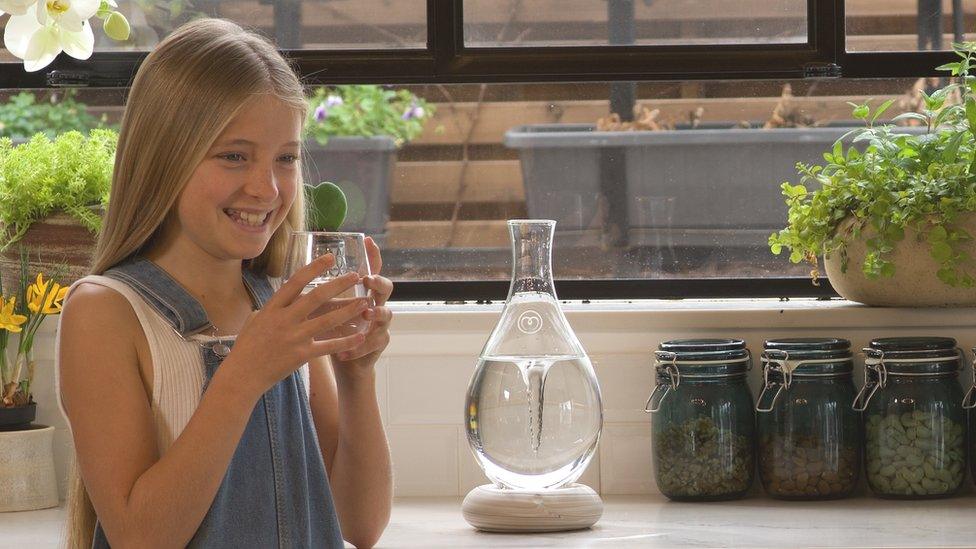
[349,250]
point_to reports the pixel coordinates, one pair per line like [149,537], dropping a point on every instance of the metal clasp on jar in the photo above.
[874,363]
[968,400]
[665,363]
[774,360]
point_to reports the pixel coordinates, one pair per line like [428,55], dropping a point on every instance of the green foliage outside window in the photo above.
[23,115]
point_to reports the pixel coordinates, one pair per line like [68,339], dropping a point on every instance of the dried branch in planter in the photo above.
[645,119]
[912,100]
[786,114]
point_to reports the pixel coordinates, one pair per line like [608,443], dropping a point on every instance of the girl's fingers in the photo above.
[323,293]
[374,256]
[337,345]
[381,288]
[352,309]
[379,316]
[292,288]
[373,343]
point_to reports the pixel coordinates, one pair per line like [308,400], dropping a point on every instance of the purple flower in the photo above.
[321,112]
[332,101]
[413,111]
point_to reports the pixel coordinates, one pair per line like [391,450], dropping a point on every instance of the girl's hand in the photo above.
[276,340]
[363,357]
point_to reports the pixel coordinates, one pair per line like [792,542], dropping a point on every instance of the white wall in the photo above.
[425,372]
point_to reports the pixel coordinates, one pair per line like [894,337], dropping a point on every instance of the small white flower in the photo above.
[15,7]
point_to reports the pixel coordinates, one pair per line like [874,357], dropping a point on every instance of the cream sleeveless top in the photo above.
[177,365]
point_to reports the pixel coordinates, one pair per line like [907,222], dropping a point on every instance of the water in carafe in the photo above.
[533,409]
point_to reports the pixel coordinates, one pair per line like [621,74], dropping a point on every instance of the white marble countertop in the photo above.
[650,521]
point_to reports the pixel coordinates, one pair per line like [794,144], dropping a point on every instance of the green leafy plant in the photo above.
[366,110]
[23,115]
[326,206]
[916,181]
[72,173]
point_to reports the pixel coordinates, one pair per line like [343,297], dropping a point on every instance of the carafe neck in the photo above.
[531,256]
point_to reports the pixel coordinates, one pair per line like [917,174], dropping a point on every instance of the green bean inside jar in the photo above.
[914,423]
[702,420]
[809,436]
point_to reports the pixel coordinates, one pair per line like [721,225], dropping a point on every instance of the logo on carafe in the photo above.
[529,322]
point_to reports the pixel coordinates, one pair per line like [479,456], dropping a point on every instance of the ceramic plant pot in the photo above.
[56,240]
[914,283]
[27,478]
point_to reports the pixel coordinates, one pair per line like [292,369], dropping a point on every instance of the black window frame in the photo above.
[447,60]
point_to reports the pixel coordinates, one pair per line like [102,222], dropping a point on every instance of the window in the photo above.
[522,92]
[908,26]
[492,23]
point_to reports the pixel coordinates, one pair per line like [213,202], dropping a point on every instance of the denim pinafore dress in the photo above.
[275,492]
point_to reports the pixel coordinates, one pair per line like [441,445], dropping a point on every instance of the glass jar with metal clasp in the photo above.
[702,419]
[969,404]
[914,422]
[809,437]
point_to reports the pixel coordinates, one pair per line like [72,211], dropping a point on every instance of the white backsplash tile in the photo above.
[625,382]
[428,390]
[425,459]
[625,459]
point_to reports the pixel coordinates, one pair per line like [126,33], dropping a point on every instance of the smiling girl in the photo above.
[204,409]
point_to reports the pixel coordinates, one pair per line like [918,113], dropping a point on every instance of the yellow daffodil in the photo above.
[8,320]
[52,298]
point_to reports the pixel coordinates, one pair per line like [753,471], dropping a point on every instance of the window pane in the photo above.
[908,25]
[655,203]
[491,23]
[305,24]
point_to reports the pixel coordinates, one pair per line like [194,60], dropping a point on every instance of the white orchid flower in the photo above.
[69,14]
[48,28]
[15,7]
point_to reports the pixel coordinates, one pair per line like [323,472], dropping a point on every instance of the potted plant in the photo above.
[895,223]
[26,453]
[54,192]
[354,131]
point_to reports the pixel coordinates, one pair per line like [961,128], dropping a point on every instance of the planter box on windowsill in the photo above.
[702,189]
[363,168]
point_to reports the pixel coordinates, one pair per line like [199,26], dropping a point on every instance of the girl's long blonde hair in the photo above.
[184,95]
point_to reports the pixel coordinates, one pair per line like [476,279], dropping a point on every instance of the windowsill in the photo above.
[651,521]
[745,312]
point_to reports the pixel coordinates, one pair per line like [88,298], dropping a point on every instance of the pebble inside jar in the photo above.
[914,423]
[702,420]
[809,436]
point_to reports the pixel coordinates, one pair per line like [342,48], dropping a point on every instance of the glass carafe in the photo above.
[533,412]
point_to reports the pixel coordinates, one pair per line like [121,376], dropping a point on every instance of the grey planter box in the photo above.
[363,168]
[702,188]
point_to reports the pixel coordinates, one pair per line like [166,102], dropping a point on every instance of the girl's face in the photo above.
[242,190]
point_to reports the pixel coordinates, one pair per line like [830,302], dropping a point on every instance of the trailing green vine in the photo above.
[889,179]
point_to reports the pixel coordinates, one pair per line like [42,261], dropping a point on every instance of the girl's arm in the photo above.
[143,499]
[354,449]
[350,431]
[140,499]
